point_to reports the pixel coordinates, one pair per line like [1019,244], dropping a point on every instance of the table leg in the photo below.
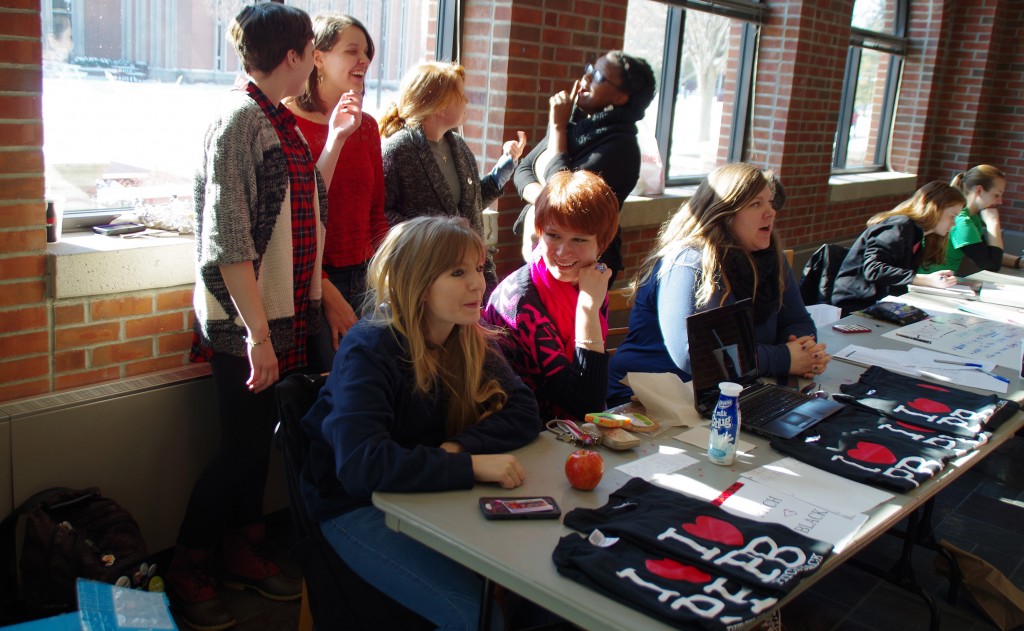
[486,604]
[901,573]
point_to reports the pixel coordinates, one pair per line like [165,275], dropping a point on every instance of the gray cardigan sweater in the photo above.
[414,185]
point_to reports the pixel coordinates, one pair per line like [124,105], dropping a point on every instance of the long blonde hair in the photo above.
[703,223]
[428,88]
[925,209]
[413,255]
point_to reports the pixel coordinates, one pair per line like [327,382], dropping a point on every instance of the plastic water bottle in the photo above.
[725,424]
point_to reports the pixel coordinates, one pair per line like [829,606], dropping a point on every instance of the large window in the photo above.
[127,85]
[870,85]
[703,51]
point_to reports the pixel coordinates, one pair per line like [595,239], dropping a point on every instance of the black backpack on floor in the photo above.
[69,534]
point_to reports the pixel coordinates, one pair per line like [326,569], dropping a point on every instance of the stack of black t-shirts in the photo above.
[684,560]
[899,431]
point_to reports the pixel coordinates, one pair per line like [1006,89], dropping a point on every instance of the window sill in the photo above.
[854,186]
[86,264]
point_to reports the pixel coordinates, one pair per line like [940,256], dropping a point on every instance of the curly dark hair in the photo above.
[637,81]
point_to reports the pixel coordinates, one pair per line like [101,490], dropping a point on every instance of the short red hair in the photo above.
[579,201]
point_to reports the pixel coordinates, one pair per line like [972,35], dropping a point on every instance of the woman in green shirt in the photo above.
[977,233]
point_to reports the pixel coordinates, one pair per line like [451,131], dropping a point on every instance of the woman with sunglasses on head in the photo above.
[428,167]
[552,307]
[592,127]
[342,52]
[719,247]
[419,400]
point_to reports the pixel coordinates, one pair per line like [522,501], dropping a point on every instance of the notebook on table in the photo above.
[723,347]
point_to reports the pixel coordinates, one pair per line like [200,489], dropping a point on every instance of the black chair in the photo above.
[820,273]
[338,598]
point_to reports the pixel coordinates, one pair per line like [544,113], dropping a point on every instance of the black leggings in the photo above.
[229,491]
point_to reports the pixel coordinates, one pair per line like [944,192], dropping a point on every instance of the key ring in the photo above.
[568,431]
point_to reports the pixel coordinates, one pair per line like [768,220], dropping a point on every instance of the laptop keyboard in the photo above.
[761,403]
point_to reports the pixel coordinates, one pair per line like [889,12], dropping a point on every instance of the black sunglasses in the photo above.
[600,77]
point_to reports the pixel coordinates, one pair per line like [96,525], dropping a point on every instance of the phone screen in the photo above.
[519,507]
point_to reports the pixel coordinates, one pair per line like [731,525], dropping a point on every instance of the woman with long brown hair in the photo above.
[419,400]
[718,248]
[885,258]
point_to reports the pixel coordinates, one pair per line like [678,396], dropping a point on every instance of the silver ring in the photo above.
[601,267]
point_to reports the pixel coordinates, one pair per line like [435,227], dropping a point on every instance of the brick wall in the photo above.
[25,319]
[961,103]
[111,337]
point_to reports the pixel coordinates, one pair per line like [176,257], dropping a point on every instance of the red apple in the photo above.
[584,469]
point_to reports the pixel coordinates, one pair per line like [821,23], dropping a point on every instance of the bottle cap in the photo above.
[730,389]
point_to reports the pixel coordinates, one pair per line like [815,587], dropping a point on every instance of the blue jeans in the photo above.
[423,580]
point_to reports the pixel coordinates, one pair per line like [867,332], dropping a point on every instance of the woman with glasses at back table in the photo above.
[591,127]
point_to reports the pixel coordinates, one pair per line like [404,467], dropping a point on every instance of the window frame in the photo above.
[895,45]
[752,13]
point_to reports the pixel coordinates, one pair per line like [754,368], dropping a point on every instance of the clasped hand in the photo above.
[807,356]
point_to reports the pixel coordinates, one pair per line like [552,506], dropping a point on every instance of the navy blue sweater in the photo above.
[372,430]
[657,340]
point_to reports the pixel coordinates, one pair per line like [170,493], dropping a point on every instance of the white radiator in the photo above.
[142,441]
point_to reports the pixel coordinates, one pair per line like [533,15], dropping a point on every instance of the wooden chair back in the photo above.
[619,306]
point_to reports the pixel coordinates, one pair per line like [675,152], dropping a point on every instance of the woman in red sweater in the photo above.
[342,52]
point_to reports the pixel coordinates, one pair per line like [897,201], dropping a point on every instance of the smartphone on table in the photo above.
[536,507]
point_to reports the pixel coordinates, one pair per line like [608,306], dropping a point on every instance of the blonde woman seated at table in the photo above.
[419,400]
[718,248]
[885,258]
[552,307]
[977,233]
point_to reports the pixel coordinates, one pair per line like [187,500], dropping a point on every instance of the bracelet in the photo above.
[253,344]
[1016,264]
[584,343]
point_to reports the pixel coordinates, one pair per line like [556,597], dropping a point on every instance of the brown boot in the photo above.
[247,566]
[193,592]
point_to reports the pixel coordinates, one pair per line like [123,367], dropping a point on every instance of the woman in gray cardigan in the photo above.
[428,168]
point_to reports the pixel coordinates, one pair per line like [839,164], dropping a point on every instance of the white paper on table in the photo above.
[762,502]
[824,315]
[667,460]
[667,399]
[922,362]
[969,337]
[819,487]
[698,437]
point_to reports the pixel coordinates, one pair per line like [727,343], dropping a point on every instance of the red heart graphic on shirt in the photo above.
[916,428]
[676,571]
[929,406]
[873,453]
[716,530]
[932,387]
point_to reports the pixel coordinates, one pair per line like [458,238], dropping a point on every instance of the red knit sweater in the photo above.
[355,201]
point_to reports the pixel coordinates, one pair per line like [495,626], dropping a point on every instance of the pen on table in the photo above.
[993,375]
[956,363]
[911,337]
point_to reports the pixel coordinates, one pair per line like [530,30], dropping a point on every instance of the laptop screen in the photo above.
[723,347]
